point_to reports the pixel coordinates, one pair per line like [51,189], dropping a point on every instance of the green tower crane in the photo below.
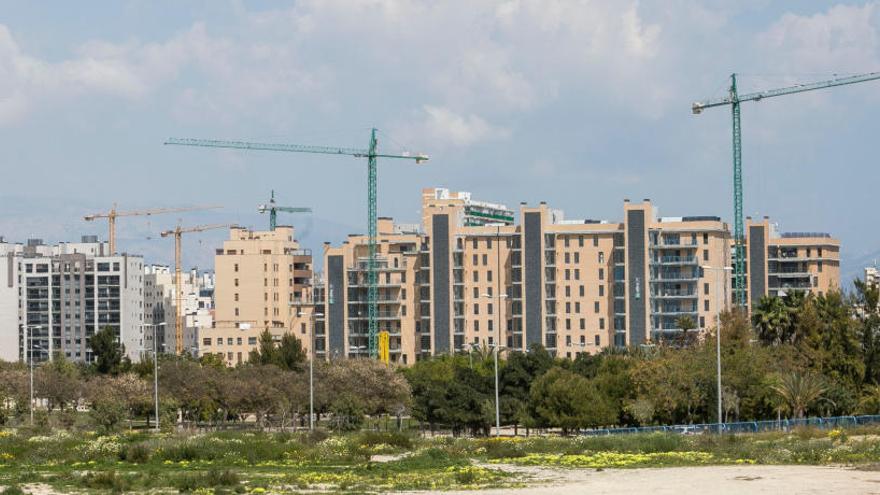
[273,210]
[734,99]
[371,153]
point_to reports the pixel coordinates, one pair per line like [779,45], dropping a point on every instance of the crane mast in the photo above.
[734,99]
[372,155]
[273,210]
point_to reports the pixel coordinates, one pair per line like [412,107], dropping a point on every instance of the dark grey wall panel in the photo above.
[533,277]
[336,318]
[757,259]
[441,282]
[635,261]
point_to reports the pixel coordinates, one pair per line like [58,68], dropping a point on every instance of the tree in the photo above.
[58,381]
[107,350]
[799,391]
[287,355]
[686,323]
[770,317]
[570,401]
[867,313]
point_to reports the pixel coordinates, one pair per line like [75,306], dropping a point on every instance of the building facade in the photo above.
[66,293]
[160,307]
[263,282]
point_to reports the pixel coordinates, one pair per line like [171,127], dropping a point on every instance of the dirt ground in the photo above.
[698,481]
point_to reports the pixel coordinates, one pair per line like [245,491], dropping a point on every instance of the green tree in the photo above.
[107,350]
[799,391]
[770,317]
[570,401]
[287,355]
[686,323]
[867,313]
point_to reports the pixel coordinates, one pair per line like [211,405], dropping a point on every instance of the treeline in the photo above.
[271,391]
[798,355]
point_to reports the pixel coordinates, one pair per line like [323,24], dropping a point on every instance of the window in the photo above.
[302,328]
[206,342]
[694,239]
[476,276]
[582,290]
[489,308]
[808,252]
[567,258]
[568,340]
[485,259]
[580,241]
[601,257]
[819,266]
[475,243]
[229,341]
[567,291]
[489,276]
[491,326]
[236,297]
[567,274]
[577,307]
[568,307]
[706,305]
[705,238]
[702,322]
[235,268]
[583,326]
[819,252]
[601,274]
[252,341]
[706,289]
[238,341]
[601,291]
[601,323]
[236,282]
[488,243]
[566,241]
[219,340]
[597,340]
[705,255]
[476,308]
[477,325]
[568,327]
[265,267]
[476,259]
[236,311]
[595,241]
[476,292]
[577,273]
[596,307]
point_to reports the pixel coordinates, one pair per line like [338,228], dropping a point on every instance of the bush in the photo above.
[108,414]
[210,479]
[138,453]
[394,439]
[106,480]
[13,490]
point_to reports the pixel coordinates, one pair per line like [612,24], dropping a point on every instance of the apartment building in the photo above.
[64,294]
[471,276]
[781,262]
[263,281]
[160,306]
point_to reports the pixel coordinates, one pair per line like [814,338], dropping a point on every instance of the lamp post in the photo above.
[29,355]
[156,369]
[312,352]
[722,269]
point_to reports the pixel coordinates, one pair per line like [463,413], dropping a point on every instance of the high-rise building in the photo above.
[263,282]
[66,293]
[471,276]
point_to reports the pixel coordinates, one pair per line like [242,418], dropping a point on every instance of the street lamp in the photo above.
[722,269]
[497,345]
[156,369]
[29,349]
[312,353]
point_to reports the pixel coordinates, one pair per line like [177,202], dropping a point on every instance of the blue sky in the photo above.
[578,103]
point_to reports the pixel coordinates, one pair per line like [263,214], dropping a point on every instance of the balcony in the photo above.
[674,294]
[674,260]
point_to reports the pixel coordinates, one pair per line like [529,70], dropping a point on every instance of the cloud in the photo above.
[444,128]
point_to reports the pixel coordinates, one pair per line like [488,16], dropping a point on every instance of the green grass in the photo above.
[248,462]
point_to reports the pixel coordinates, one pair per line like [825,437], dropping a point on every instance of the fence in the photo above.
[744,426]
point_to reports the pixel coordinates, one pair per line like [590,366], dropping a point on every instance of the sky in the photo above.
[580,103]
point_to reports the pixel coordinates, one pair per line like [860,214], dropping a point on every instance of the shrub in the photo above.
[13,490]
[138,453]
[106,480]
[210,479]
[394,439]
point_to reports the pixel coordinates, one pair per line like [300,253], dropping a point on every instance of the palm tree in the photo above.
[771,318]
[686,323]
[799,391]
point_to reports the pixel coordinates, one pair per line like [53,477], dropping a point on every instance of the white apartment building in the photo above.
[63,294]
[160,306]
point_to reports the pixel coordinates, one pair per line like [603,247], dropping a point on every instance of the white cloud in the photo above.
[443,127]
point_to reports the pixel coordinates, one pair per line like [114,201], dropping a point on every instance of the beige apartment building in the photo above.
[263,281]
[471,276]
[778,263]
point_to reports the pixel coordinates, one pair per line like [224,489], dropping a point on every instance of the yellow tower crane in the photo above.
[113,214]
[178,276]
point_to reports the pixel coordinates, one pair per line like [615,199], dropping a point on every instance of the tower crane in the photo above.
[371,153]
[178,278]
[734,99]
[113,214]
[273,210]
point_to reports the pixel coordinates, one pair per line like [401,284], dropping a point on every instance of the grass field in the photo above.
[367,462]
